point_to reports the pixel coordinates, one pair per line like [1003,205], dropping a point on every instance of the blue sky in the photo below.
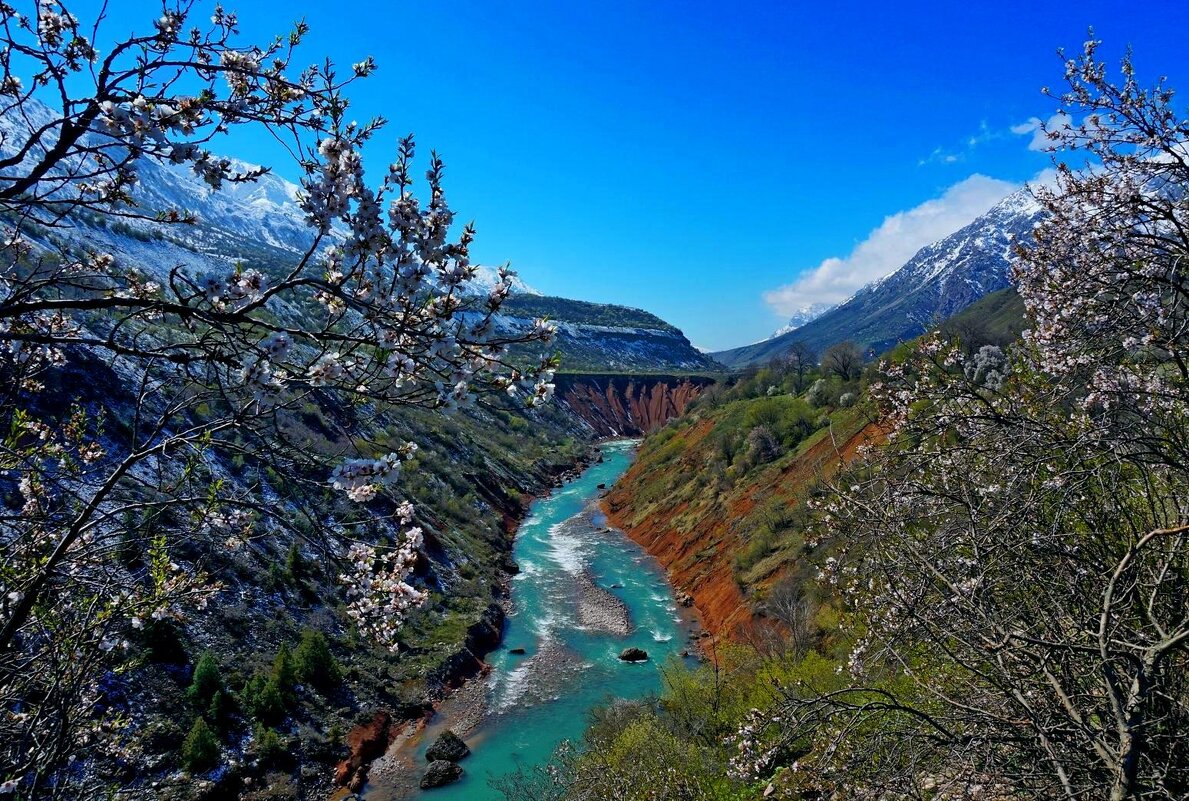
[693,158]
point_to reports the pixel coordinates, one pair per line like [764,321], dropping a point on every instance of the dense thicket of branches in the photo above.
[118,386]
[1015,560]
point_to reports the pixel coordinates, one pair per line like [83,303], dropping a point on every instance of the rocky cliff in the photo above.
[628,405]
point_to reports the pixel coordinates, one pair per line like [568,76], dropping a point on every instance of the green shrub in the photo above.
[263,700]
[267,744]
[220,710]
[314,664]
[284,673]
[295,565]
[275,580]
[207,681]
[334,736]
[200,751]
[765,412]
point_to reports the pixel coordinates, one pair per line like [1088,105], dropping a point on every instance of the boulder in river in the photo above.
[633,654]
[440,773]
[516,651]
[449,746]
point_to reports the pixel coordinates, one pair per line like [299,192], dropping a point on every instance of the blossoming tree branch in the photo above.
[379,311]
[1014,561]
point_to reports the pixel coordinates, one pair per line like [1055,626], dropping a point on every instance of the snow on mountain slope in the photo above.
[485,278]
[261,224]
[940,280]
[803,316]
[603,337]
[265,210]
[252,221]
[237,221]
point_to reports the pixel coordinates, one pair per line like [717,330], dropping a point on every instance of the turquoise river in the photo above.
[537,699]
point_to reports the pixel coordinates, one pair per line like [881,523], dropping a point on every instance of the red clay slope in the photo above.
[696,539]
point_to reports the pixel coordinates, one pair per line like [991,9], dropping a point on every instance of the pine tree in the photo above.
[284,674]
[314,663]
[295,565]
[200,751]
[207,681]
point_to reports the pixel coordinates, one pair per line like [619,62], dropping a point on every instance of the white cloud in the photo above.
[952,156]
[940,156]
[1059,122]
[890,245]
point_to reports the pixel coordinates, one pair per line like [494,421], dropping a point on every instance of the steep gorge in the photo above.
[628,405]
[698,530]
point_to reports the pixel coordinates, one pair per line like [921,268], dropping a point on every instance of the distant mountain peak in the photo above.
[804,315]
[485,279]
[941,279]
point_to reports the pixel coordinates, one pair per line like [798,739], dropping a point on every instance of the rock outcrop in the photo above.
[627,405]
[440,773]
[449,747]
[633,654]
[366,742]
[483,636]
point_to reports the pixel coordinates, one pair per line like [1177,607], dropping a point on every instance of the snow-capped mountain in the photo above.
[485,279]
[940,280]
[258,220]
[264,210]
[803,316]
[251,222]
[261,224]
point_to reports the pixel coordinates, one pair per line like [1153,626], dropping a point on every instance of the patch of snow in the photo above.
[803,316]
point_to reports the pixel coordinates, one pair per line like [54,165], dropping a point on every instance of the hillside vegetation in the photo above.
[606,338]
[719,494]
[222,676]
[585,313]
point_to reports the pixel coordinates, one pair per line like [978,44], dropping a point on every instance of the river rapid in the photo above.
[584,593]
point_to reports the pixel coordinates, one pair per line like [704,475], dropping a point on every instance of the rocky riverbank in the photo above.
[583,594]
[383,766]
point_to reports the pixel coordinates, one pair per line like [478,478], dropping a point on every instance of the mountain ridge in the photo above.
[940,280]
[803,316]
[260,224]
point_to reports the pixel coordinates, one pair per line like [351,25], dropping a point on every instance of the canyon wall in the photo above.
[694,530]
[625,405]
